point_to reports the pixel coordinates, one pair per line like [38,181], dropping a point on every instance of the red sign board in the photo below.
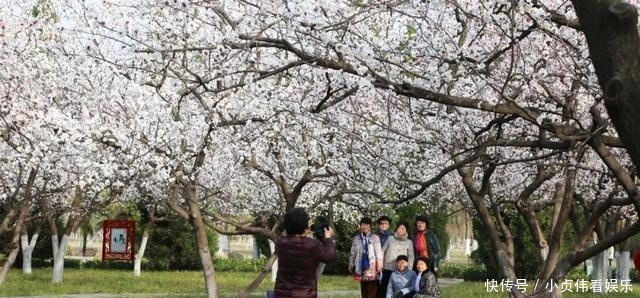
[118,240]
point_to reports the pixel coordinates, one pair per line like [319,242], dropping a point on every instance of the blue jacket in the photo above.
[384,236]
[399,281]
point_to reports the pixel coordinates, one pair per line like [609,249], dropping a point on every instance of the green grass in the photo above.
[457,256]
[82,281]
[191,284]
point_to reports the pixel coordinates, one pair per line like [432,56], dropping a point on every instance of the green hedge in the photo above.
[239,265]
[338,267]
[77,264]
[468,272]
[577,273]
[472,272]
[221,265]
[453,270]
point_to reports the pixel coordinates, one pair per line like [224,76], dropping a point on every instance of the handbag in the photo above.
[369,275]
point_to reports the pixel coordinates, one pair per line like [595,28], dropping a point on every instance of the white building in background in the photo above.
[237,246]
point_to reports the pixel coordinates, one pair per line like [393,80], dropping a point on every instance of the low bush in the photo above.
[577,273]
[221,265]
[476,273]
[37,263]
[453,270]
[338,267]
[239,265]
[98,264]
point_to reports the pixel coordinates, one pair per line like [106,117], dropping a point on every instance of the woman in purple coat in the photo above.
[299,256]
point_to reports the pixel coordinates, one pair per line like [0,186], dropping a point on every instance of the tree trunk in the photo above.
[20,225]
[143,245]
[255,252]
[502,249]
[203,244]
[600,266]
[8,263]
[84,244]
[137,266]
[11,258]
[623,265]
[274,267]
[256,282]
[58,263]
[54,247]
[53,229]
[563,200]
[223,246]
[610,27]
[27,250]
[72,224]
[205,259]
[7,221]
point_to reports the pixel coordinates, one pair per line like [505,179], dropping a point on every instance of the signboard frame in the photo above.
[118,240]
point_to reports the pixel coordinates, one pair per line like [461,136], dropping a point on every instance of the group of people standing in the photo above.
[387,264]
[390,264]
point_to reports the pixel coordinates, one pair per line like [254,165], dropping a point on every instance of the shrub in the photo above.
[472,272]
[98,264]
[453,270]
[476,273]
[40,263]
[221,265]
[239,265]
[528,262]
[44,263]
[338,267]
[577,273]
[72,264]
[172,246]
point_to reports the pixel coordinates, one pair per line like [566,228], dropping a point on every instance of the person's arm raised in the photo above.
[328,249]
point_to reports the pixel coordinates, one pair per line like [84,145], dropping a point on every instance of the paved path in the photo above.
[442,282]
[445,282]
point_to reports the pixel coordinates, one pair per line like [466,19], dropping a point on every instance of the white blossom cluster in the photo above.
[130,94]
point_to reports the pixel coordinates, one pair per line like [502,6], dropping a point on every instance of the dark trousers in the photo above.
[384,283]
[369,289]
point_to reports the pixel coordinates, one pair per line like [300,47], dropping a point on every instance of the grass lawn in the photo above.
[190,283]
[81,281]
[457,256]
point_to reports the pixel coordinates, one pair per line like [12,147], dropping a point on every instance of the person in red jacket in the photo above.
[636,260]
[299,256]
